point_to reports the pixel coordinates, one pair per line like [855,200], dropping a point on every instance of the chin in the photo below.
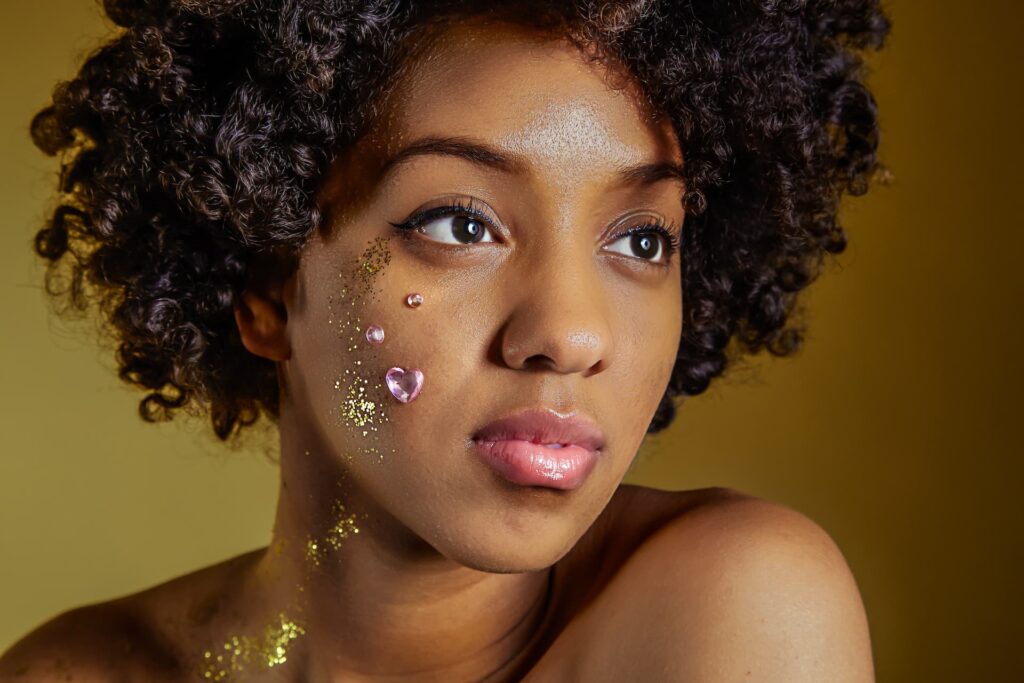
[513,562]
[505,549]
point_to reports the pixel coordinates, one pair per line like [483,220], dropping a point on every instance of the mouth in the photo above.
[541,448]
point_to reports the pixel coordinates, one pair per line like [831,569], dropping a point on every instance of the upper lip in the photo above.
[544,426]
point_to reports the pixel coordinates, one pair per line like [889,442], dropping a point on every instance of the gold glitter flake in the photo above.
[375,258]
[315,551]
[344,526]
[362,408]
[240,654]
[357,409]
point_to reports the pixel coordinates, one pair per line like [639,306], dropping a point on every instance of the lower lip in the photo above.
[533,464]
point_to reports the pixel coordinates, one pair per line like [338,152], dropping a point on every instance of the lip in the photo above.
[515,448]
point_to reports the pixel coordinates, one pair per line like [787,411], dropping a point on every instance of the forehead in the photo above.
[527,93]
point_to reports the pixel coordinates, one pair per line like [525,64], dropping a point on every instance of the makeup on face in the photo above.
[362,409]
[539,239]
[405,385]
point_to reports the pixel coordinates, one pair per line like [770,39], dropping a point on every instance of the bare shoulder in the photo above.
[727,586]
[135,637]
[95,643]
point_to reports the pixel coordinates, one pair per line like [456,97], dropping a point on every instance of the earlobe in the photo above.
[262,323]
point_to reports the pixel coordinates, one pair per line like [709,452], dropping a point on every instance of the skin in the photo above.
[447,577]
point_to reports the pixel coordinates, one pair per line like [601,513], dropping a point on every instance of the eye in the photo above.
[651,242]
[457,223]
[458,229]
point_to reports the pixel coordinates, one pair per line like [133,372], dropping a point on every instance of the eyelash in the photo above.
[469,208]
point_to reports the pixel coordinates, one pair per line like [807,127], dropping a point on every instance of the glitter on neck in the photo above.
[344,526]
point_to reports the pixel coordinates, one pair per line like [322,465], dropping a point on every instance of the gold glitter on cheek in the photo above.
[356,407]
[241,654]
[375,258]
[362,408]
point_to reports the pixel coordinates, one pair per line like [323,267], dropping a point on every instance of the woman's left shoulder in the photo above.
[730,583]
[725,533]
[727,519]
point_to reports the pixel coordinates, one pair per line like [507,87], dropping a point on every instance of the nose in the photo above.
[560,321]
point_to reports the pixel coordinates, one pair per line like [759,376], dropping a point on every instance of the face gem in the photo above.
[405,385]
[375,334]
[414,300]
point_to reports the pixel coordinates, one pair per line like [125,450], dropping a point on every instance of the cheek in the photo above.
[341,368]
[347,373]
[667,322]
[646,350]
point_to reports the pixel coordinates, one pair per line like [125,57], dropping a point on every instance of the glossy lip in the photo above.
[515,447]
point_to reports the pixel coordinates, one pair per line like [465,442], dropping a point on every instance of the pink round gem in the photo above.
[375,334]
[414,300]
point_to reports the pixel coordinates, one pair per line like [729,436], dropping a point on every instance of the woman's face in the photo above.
[541,302]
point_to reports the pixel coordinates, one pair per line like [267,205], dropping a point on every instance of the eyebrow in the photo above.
[488,156]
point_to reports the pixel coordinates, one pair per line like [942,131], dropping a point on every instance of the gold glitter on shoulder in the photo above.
[240,654]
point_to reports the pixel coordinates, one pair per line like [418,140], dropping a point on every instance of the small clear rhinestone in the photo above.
[414,300]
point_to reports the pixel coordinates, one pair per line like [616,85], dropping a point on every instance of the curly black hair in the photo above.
[192,143]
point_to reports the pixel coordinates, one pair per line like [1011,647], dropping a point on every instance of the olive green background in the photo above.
[896,428]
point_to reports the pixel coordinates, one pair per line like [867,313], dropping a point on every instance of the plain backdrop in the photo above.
[896,428]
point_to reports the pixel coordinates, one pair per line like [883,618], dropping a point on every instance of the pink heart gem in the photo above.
[405,385]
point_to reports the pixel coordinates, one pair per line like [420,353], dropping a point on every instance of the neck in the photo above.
[375,600]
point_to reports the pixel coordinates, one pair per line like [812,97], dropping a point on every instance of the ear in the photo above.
[262,320]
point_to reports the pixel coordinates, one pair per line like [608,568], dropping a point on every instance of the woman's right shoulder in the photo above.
[134,637]
[102,642]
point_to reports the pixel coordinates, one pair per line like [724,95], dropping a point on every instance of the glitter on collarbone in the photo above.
[240,656]
[248,654]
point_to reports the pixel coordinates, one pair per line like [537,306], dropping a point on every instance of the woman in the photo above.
[465,255]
